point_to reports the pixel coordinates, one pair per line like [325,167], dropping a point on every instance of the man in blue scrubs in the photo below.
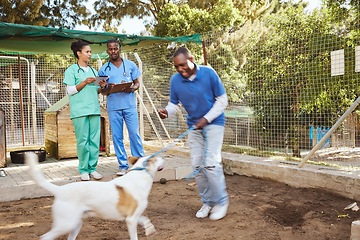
[122,105]
[201,92]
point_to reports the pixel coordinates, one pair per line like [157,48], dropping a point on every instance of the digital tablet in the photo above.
[99,78]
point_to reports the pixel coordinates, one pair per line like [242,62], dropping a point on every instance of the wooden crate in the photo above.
[60,141]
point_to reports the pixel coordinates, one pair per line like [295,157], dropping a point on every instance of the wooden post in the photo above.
[204,51]
[12,105]
[353,120]
[3,161]
[21,103]
[314,136]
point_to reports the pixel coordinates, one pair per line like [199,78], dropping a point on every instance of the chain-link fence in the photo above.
[29,85]
[289,77]
[40,86]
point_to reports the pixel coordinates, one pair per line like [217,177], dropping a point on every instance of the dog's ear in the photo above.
[132,160]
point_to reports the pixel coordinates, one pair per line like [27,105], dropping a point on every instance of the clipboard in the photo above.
[121,87]
[99,78]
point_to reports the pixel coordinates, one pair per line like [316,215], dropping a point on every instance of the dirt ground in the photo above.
[259,209]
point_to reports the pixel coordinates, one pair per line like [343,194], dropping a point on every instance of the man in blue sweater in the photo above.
[202,94]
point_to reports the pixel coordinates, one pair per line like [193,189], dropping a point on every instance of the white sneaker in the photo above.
[219,211]
[96,175]
[121,172]
[204,211]
[85,177]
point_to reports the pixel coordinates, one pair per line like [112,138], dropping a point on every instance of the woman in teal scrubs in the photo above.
[84,109]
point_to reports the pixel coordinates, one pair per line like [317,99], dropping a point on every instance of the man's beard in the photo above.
[115,58]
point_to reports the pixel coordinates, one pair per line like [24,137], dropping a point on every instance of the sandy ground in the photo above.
[259,209]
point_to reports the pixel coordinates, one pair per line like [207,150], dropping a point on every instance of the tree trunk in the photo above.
[296,151]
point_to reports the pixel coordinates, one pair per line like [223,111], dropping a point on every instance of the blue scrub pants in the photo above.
[116,118]
[87,133]
[205,150]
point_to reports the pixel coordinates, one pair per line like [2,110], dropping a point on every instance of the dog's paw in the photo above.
[150,230]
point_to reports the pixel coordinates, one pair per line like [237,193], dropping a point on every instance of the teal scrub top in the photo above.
[86,101]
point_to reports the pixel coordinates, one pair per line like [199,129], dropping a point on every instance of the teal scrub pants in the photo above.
[87,132]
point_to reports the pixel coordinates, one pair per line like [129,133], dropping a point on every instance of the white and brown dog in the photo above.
[123,198]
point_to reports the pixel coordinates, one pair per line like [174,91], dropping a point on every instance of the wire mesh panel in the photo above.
[14,92]
[289,77]
[157,71]
[27,93]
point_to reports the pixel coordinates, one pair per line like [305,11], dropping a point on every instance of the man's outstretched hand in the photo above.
[163,113]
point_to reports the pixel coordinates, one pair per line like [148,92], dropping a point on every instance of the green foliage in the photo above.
[277,71]
[226,54]
[174,20]
[345,15]
[109,13]
[289,72]
[340,9]
[226,64]
[67,13]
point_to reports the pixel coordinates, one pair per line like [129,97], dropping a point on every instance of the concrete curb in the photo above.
[335,180]
[355,230]
[344,183]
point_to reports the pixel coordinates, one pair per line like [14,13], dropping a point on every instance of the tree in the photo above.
[226,29]
[111,12]
[175,21]
[54,13]
[289,74]
[340,9]
[345,15]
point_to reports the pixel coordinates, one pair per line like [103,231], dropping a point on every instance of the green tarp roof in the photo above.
[11,61]
[34,39]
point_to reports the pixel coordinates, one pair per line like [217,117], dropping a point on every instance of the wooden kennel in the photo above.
[60,141]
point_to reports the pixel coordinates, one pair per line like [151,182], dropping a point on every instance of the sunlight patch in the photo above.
[17,225]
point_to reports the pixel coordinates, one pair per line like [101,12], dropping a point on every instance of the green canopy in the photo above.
[34,39]
[10,61]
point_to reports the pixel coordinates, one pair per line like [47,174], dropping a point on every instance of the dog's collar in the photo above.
[141,169]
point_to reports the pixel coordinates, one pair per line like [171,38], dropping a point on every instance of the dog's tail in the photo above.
[32,160]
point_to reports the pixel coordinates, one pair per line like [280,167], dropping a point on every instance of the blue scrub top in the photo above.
[86,101]
[199,95]
[122,100]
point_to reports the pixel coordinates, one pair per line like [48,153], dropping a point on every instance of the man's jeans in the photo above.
[205,148]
